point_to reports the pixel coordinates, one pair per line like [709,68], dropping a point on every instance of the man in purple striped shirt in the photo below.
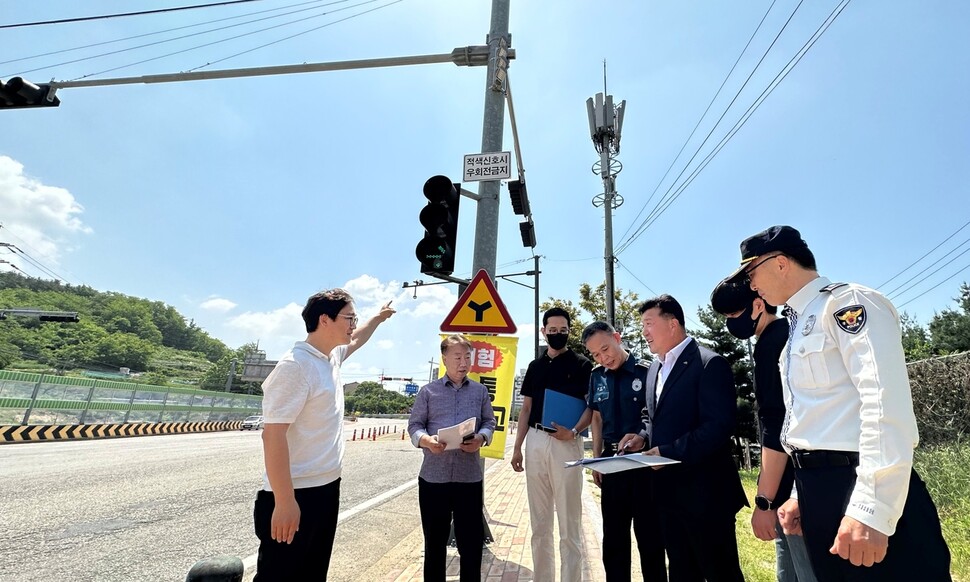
[450,483]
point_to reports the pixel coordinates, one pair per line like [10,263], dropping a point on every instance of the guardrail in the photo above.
[43,399]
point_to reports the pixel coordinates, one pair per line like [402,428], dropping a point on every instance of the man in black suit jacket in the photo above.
[689,416]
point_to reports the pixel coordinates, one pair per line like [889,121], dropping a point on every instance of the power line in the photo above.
[574,260]
[177,28]
[191,35]
[36,251]
[934,286]
[911,265]
[292,36]
[740,123]
[124,14]
[36,264]
[655,294]
[724,113]
[703,115]
[893,295]
[241,36]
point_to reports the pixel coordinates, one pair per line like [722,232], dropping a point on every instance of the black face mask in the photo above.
[742,326]
[557,341]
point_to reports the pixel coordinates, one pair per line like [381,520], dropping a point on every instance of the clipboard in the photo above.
[563,409]
[621,463]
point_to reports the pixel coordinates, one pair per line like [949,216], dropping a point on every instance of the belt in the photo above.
[817,459]
[538,426]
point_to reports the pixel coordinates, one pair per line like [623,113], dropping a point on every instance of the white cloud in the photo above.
[217,304]
[275,330]
[370,295]
[42,217]
[385,344]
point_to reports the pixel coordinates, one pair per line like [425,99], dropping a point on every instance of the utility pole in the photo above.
[493,127]
[605,123]
[231,376]
[536,346]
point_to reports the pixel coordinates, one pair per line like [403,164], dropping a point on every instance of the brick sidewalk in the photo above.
[509,557]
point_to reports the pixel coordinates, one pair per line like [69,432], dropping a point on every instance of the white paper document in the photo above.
[622,463]
[452,435]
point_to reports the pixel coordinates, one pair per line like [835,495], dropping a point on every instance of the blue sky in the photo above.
[234,200]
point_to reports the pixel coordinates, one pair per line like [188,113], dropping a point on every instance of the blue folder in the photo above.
[563,409]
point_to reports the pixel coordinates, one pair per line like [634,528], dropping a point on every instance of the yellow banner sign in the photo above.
[493,364]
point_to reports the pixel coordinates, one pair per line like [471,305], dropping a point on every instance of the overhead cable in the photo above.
[934,286]
[893,295]
[177,28]
[124,14]
[292,36]
[659,210]
[911,265]
[703,115]
[191,35]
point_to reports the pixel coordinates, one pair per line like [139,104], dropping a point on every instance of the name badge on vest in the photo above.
[809,325]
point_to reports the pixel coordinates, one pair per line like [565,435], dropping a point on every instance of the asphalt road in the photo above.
[147,508]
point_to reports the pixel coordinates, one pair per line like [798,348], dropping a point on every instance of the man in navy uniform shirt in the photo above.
[616,397]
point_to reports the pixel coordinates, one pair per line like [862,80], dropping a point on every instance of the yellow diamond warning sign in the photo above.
[479,309]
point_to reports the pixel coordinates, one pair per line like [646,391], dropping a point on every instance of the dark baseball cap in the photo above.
[776,239]
[732,295]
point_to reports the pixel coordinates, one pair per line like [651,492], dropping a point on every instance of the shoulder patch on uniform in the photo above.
[643,363]
[831,287]
[851,319]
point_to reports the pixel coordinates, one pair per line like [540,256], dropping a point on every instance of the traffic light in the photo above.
[520,198]
[528,231]
[436,251]
[63,318]
[19,92]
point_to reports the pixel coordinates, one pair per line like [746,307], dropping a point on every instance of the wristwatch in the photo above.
[575,432]
[764,504]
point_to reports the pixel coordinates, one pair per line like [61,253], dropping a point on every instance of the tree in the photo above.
[215,377]
[950,329]
[916,344]
[593,303]
[124,350]
[372,398]
[720,340]
[626,314]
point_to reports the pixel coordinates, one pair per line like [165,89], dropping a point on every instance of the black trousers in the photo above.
[308,556]
[628,497]
[442,503]
[701,547]
[917,551]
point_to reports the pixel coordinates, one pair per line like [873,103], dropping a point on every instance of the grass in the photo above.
[946,471]
[757,556]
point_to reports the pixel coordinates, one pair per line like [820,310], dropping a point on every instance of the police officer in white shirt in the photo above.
[849,425]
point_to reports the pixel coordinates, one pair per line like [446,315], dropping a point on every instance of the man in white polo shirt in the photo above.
[303,405]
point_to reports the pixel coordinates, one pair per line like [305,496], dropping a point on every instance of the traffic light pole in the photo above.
[493,127]
[56,316]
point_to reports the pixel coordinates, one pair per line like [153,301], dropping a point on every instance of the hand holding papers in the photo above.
[452,436]
[622,463]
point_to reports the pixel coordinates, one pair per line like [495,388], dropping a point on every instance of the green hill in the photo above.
[115,331]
